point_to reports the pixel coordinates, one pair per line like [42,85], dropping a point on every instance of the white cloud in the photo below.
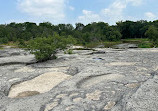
[135,2]
[88,17]
[115,12]
[112,14]
[150,15]
[45,9]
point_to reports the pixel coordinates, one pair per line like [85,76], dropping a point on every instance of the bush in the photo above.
[152,34]
[145,45]
[4,40]
[70,51]
[21,43]
[44,48]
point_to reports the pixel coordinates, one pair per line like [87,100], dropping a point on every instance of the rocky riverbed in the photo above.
[88,80]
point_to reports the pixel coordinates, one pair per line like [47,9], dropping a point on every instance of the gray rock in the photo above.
[125,46]
[73,70]
[121,80]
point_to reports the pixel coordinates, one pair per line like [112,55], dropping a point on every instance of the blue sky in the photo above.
[72,11]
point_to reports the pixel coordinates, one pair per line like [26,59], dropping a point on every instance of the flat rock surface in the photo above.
[125,46]
[100,80]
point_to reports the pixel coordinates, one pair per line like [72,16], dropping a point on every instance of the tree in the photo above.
[152,34]
[44,48]
[113,35]
[79,26]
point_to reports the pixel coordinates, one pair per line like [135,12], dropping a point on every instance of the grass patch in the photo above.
[110,44]
[145,45]
[1,47]
[93,44]
[141,42]
[12,44]
[135,40]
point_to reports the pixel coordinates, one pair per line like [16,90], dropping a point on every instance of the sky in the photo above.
[75,11]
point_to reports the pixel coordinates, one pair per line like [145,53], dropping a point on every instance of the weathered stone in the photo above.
[94,95]
[25,69]
[27,93]
[121,80]
[74,94]
[77,99]
[61,95]
[109,105]
[125,46]
[42,83]
[90,81]
[132,85]
[69,107]
[50,106]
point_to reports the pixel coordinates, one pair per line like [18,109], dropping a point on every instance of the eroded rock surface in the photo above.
[41,84]
[111,80]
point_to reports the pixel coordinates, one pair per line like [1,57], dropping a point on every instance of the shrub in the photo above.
[152,34]
[145,45]
[44,48]
[21,43]
[69,51]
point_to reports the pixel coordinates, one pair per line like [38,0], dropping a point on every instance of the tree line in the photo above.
[93,32]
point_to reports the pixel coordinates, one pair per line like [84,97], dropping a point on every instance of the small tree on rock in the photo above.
[44,48]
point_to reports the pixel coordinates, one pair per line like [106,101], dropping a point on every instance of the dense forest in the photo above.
[93,32]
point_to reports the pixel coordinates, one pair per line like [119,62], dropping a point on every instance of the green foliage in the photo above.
[135,40]
[12,44]
[141,42]
[4,40]
[130,29]
[152,34]
[44,48]
[69,51]
[1,48]
[22,43]
[110,44]
[114,35]
[90,34]
[92,44]
[145,45]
